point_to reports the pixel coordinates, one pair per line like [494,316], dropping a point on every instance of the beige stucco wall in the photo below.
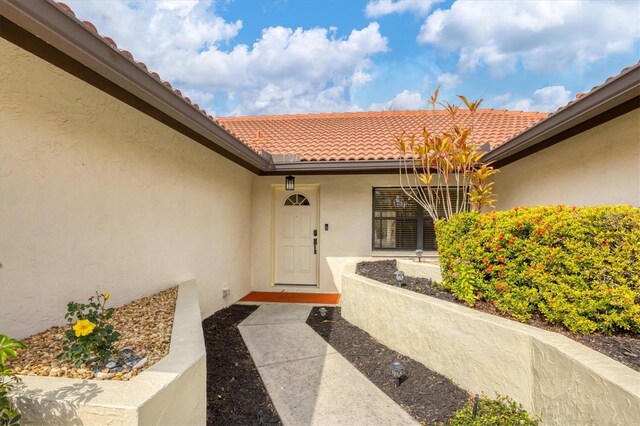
[597,167]
[563,381]
[345,205]
[95,195]
[424,269]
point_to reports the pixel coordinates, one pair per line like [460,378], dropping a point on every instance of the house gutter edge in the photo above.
[45,20]
[622,93]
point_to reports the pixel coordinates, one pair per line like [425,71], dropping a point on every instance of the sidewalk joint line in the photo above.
[300,359]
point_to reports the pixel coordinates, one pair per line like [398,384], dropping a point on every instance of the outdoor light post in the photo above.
[397,370]
[323,311]
[475,405]
[290,183]
[399,277]
[419,254]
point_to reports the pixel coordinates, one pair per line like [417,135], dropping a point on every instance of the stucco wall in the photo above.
[345,205]
[551,375]
[424,269]
[596,167]
[95,195]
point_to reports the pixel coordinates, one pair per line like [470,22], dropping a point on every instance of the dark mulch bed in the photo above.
[235,392]
[426,395]
[623,347]
[383,271]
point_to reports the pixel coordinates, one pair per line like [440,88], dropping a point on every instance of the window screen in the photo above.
[395,221]
[399,223]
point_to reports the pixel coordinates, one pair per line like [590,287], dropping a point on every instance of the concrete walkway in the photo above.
[308,381]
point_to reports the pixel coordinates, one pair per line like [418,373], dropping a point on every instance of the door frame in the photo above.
[299,188]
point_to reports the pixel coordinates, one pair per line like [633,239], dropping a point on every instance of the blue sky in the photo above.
[255,57]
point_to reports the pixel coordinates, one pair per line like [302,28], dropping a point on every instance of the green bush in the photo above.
[502,411]
[9,414]
[576,266]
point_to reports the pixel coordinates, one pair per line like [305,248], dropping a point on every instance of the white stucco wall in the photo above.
[345,204]
[597,167]
[564,382]
[95,195]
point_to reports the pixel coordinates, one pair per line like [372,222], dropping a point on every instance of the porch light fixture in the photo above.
[290,183]
[323,311]
[399,277]
[419,254]
[397,370]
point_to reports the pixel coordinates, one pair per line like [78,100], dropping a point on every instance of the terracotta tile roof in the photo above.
[365,135]
[349,136]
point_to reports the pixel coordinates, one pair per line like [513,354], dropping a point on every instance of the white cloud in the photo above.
[547,99]
[377,8]
[502,98]
[449,80]
[404,100]
[542,35]
[285,70]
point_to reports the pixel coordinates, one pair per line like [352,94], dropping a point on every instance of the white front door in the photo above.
[296,236]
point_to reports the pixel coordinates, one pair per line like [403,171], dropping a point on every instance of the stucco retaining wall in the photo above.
[170,392]
[424,269]
[563,381]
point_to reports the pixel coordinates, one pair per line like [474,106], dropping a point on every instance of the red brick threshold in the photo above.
[316,298]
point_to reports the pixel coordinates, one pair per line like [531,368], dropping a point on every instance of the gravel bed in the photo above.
[427,396]
[235,392]
[145,326]
[623,347]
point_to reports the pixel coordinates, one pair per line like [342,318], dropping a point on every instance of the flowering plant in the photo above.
[575,266]
[90,334]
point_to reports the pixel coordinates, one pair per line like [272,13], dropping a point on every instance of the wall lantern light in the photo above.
[290,183]
[397,370]
[399,277]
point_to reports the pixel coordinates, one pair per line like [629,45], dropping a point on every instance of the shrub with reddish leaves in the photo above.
[577,266]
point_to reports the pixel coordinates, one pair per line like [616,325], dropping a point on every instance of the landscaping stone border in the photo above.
[172,391]
[549,374]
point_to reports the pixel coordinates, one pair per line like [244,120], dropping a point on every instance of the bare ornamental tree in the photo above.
[438,164]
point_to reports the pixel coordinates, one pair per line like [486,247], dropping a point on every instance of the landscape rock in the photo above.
[145,326]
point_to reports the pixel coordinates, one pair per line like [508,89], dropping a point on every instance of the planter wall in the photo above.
[553,376]
[424,269]
[170,392]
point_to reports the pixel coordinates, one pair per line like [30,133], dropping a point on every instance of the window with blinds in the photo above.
[399,223]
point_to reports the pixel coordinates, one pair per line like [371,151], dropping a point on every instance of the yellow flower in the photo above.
[107,296]
[83,327]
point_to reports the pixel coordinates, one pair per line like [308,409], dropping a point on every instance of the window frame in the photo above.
[419,220]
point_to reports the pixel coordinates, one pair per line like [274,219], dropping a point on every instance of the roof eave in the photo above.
[335,167]
[619,95]
[68,35]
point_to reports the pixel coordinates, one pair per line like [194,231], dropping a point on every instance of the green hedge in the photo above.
[577,266]
[502,411]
